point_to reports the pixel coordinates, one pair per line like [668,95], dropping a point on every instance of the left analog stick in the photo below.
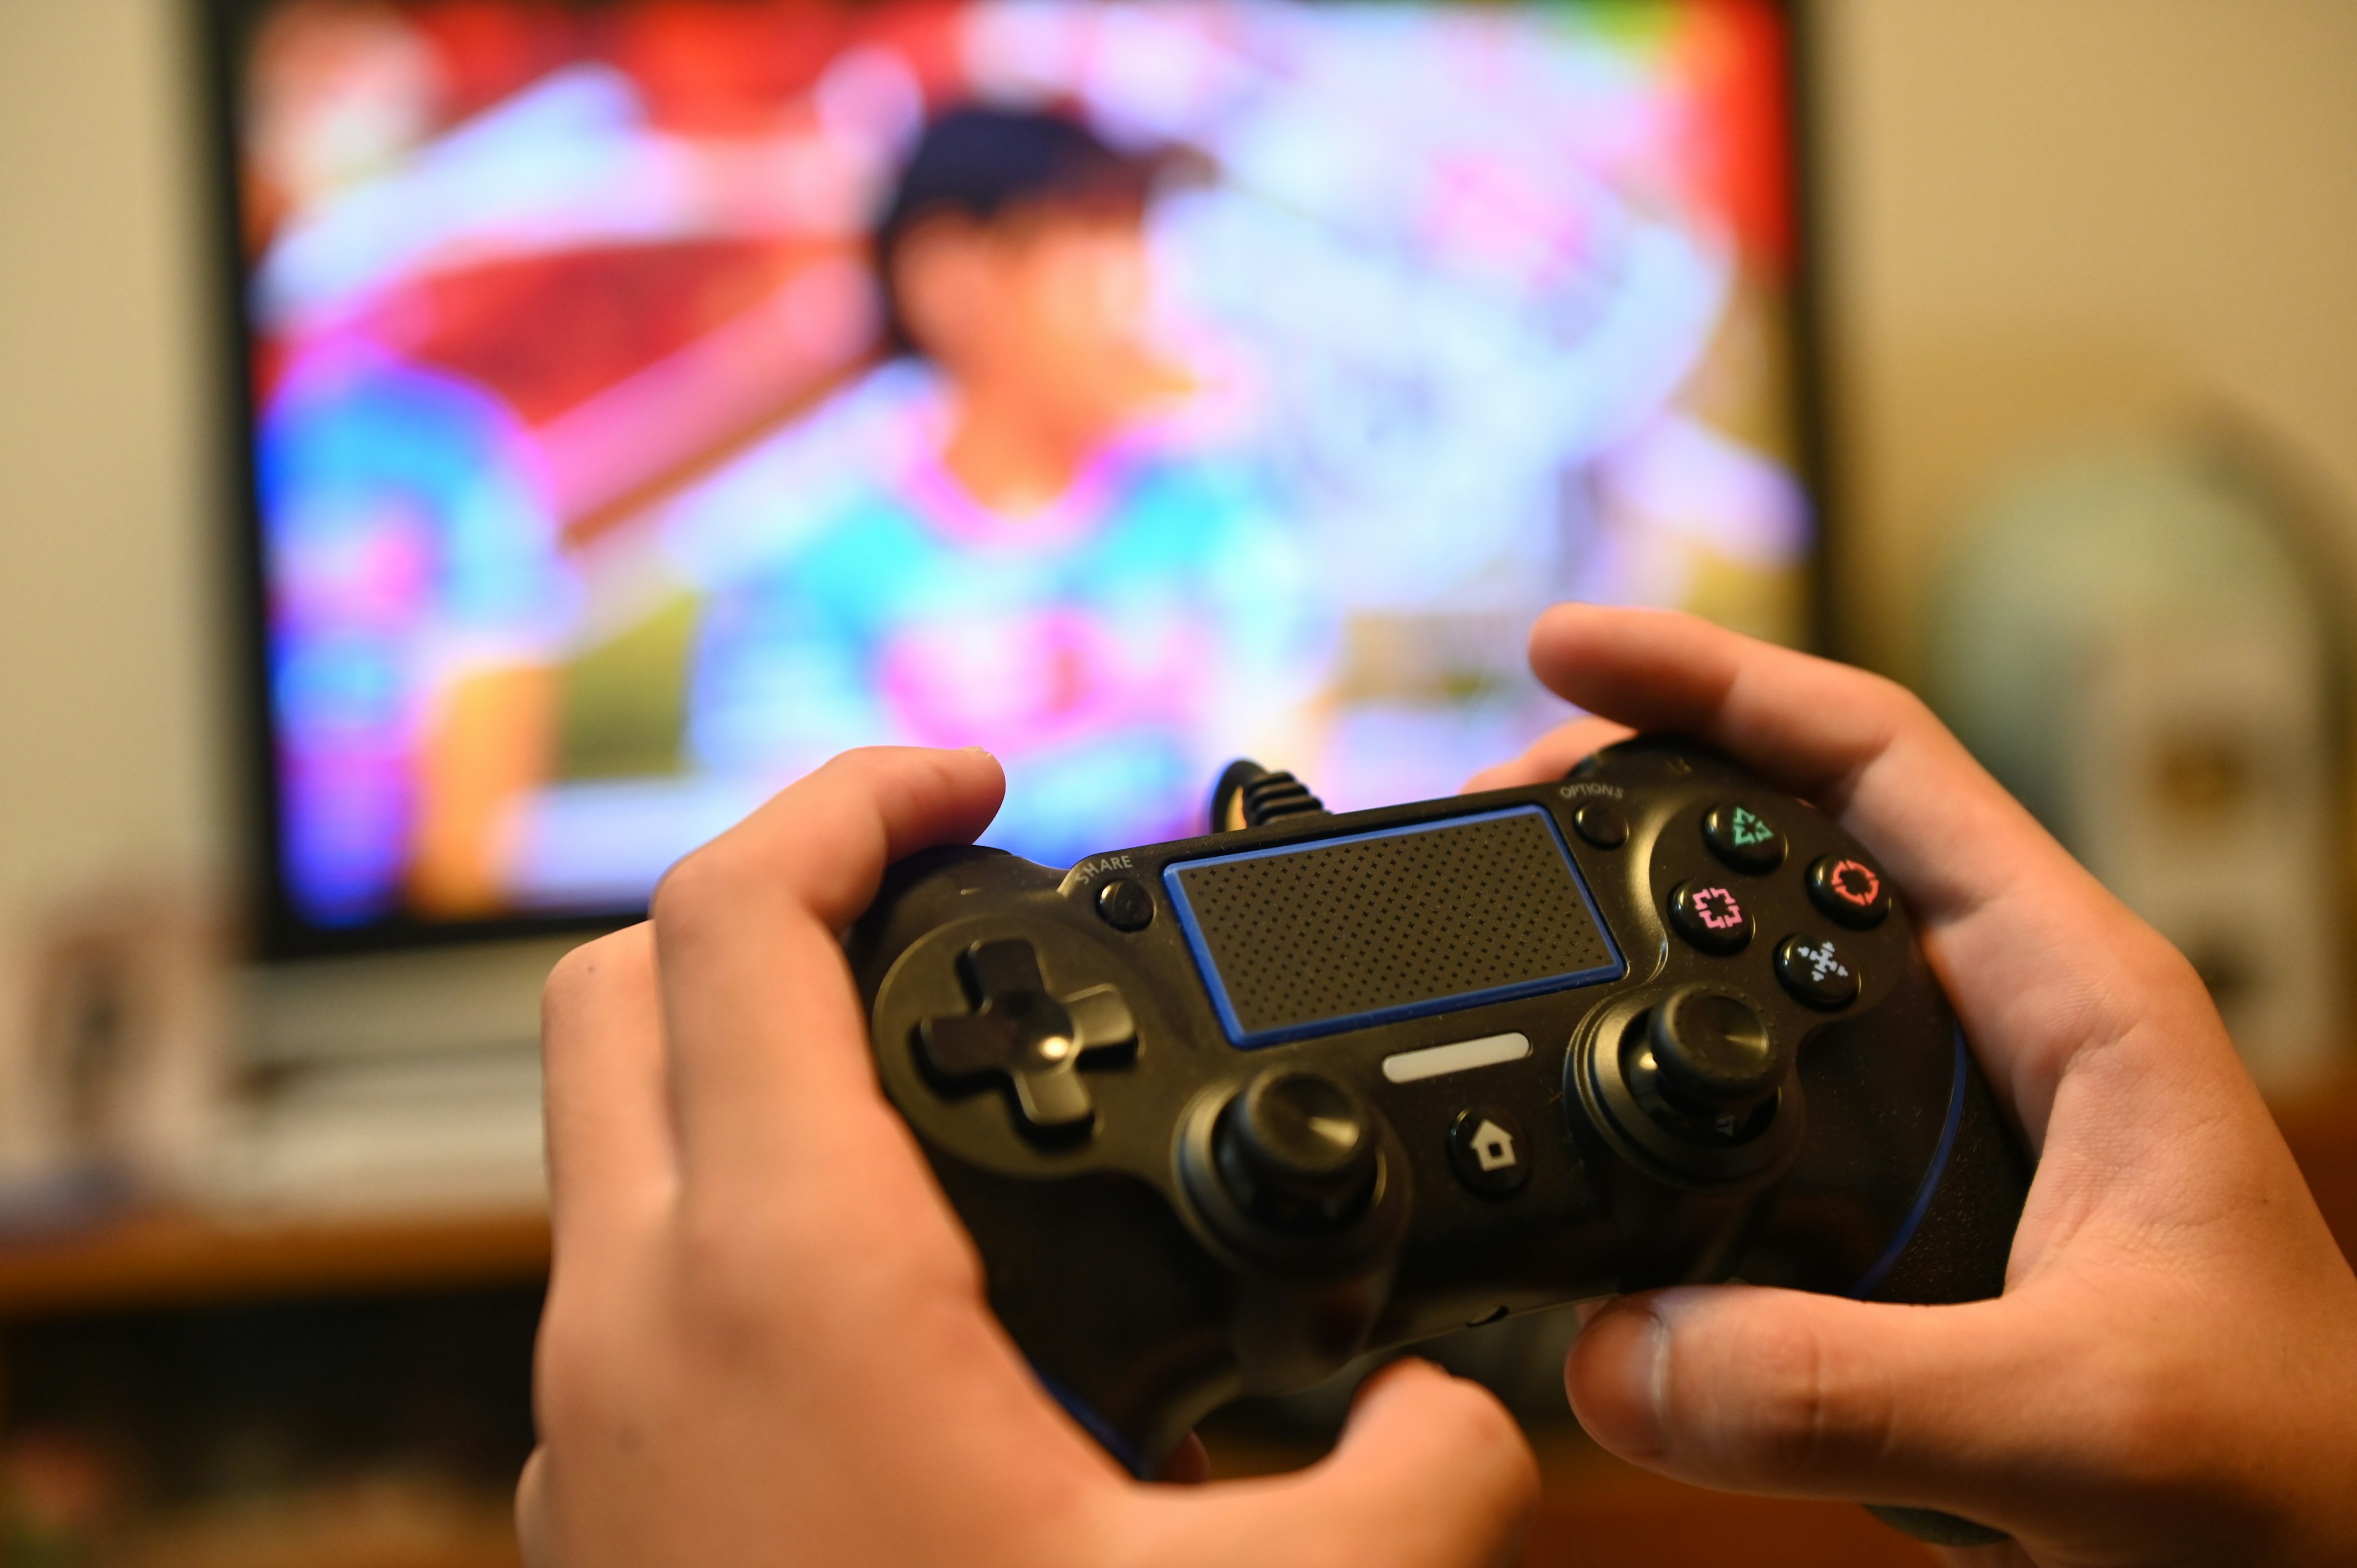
[1297,1151]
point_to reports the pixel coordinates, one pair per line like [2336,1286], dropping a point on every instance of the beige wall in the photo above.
[107,719]
[2044,216]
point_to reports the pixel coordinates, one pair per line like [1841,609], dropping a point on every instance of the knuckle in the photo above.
[715,1272]
[1483,1430]
[1900,702]
[733,1259]
[1477,1423]
[572,1368]
[1466,1421]
[698,889]
[1899,712]
[738,1256]
[576,978]
[1806,1413]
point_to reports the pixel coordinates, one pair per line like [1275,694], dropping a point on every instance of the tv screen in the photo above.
[650,399]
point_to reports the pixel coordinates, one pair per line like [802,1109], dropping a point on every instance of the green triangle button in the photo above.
[1748,830]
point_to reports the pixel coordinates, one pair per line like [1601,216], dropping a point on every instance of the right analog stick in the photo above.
[1297,1151]
[1714,1056]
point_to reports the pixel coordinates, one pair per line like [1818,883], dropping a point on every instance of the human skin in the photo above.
[766,1339]
[2171,1376]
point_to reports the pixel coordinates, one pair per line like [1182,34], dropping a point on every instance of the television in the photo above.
[640,401]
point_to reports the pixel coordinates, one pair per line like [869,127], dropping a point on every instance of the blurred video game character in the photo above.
[1026,561]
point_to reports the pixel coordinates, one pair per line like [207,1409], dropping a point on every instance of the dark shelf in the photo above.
[168,1257]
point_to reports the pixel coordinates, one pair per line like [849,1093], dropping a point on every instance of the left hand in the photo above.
[766,1339]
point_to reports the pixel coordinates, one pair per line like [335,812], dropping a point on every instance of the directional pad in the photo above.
[1019,1030]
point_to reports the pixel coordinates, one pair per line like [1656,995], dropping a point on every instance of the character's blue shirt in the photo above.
[1112,653]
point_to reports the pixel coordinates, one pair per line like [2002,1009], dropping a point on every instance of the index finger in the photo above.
[770,1073]
[610,1160]
[2041,961]
[1862,748]
[1551,755]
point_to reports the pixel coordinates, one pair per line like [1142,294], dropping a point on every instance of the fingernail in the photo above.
[1622,1370]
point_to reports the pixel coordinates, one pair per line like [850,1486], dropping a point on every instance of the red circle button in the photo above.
[1849,890]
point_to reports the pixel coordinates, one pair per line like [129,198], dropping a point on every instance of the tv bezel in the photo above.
[276,931]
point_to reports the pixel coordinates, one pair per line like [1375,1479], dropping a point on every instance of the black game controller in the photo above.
[1224,1114]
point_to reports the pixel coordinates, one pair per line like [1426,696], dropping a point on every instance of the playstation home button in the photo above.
[1489,1152]
[1743,839]
[1710,916]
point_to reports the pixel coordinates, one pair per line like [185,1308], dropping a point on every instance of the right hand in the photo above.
[2171,1376]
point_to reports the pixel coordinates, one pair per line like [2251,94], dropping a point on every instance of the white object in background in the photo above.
[398,1081]
[2202,777]
[111,1066]
[482,996]
[408,1131]
[2132,641]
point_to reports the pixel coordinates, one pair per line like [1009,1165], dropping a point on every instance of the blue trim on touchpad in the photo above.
[1872,1279]
[1215,981]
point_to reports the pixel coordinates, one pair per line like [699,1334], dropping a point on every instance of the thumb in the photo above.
[532,1529]
[1751,1390]
[1431,1471]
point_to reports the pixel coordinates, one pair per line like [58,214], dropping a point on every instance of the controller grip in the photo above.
[1959,1246]
[1958,1253]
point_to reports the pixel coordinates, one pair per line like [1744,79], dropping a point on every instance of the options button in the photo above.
[1600,825]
